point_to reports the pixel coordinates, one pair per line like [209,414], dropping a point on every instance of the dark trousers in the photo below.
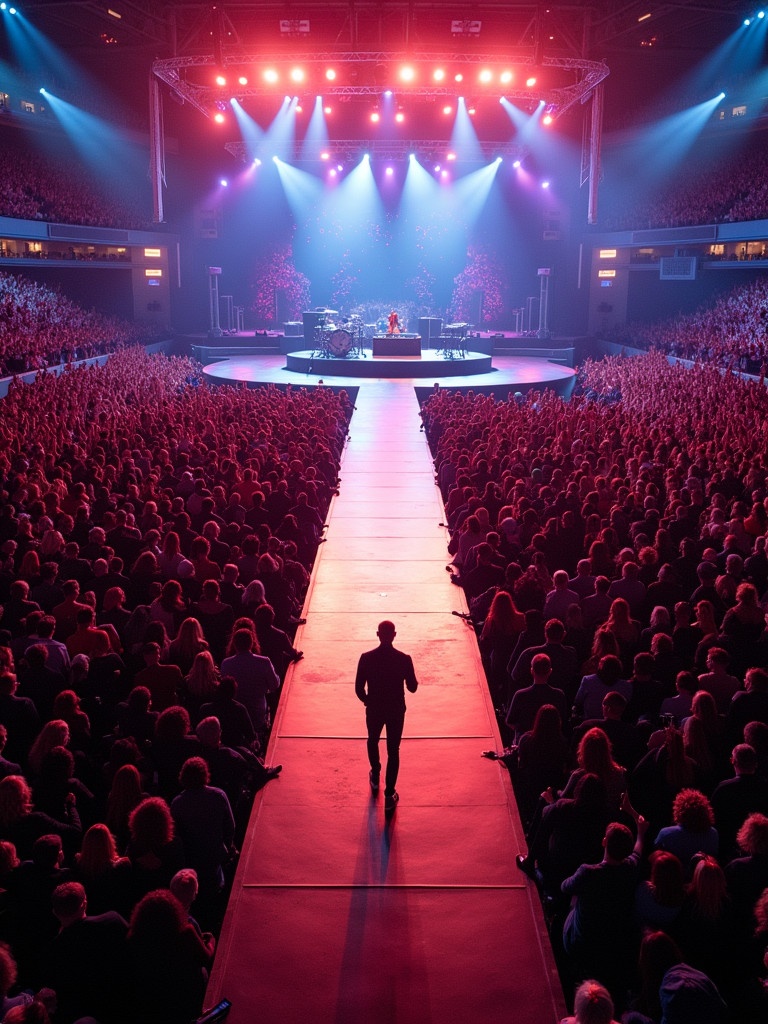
[376,719]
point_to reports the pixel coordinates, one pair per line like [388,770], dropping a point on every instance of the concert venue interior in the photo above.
[302,305]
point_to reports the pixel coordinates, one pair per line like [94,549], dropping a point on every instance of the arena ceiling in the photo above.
[597,30]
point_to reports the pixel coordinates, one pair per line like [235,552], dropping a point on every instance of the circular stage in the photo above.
[507,375]
[428,364]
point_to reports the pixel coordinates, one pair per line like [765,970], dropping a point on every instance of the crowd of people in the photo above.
[731,331]
[39,327]
[612,550]
[713,190]
[36,187]
[156,539]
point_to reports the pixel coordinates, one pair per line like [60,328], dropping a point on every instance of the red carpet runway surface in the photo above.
[338,914]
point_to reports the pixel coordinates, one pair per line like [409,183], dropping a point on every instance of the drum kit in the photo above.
[337,340]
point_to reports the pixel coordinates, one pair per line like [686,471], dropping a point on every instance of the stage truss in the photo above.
[566,82]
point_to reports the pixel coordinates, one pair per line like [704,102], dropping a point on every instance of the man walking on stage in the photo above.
[381,676]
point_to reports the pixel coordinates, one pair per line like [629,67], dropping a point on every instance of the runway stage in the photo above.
[499,373]
[340,914]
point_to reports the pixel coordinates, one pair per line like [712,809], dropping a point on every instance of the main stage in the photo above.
[501,374]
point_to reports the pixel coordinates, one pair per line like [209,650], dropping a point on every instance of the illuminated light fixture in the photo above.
[224,183]
[153,253]
[407,73]
[399,117]
[299,108]
[294,26]
[606,273]
[761,14]
[545,184]
[333,172]
[114,14]
[530,82]
[375,117]
[339,168]
[387,93]
[152,272]
[437,168]
[485,76]
[466,28]
[517,163]
[471,111]
[330,74]
[443,173]
[747,21]
[221,80]
[219,118]
[242,80]
[327,110]
[506,77]
[450,156]
[297,74]
[438,75]
[447,110]
[547,119]
[256,162]
[389,171]
[325,155]
[644,17]
[270,75]
[607,254]
[43,91]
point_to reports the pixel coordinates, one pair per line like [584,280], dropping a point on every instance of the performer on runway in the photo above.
[381,676]
[394,323]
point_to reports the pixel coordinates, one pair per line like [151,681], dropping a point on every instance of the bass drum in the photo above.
[340,344]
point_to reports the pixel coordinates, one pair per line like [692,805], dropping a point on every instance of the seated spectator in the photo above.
[693,830]
[169,961]
[593,689]
[717,681]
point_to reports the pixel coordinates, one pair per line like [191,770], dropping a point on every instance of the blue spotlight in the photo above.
[42,91]
[761,14]
[747,21]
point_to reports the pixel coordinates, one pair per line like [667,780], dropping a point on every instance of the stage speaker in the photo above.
[311,319]
[430,329]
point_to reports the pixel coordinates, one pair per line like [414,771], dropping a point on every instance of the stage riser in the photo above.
[472,363]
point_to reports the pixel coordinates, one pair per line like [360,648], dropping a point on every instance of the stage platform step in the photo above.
[428,364]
